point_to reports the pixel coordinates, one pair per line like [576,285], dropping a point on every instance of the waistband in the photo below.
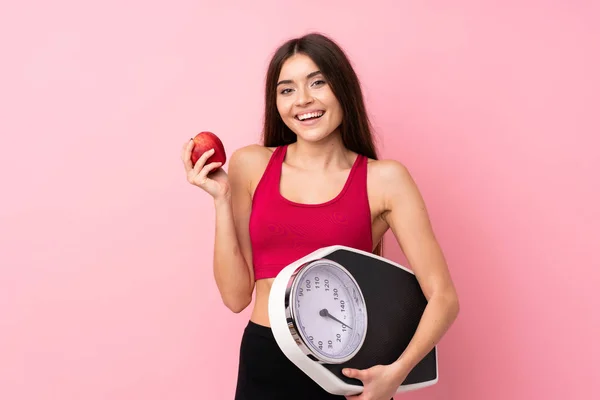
[256,329]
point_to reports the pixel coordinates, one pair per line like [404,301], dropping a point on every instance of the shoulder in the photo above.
[248,163]
[390,181]
[249,155]
[388,172]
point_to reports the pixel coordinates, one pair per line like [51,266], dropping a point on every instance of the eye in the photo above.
[318,82]
[285,91]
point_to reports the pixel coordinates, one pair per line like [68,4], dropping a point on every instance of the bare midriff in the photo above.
[260,312]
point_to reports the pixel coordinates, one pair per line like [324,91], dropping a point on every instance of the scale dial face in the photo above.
[329,312]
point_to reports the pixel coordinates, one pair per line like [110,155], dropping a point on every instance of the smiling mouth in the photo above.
[310,116]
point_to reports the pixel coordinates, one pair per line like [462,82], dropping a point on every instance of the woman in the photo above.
[316,181]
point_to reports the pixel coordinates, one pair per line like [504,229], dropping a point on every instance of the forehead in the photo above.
[297,66]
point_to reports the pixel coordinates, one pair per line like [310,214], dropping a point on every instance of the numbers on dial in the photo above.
[332,316]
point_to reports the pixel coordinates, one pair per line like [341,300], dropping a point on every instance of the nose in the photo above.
[303,97]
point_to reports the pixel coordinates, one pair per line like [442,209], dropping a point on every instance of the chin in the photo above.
[314,135]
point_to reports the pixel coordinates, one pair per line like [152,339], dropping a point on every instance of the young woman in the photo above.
[316,181]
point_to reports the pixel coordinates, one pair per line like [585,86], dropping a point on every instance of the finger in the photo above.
[200,163]
[360,374]
[208,168]
[202,177]
[187,144]
[186,155]
[352,373]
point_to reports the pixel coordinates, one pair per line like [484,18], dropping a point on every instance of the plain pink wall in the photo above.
[106,287]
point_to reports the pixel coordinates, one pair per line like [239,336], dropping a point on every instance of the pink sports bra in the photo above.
[282,231]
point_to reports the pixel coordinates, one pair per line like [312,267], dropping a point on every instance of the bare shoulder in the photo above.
[388,170]
[390,182]
[389,175]
[248,163]
[249,155]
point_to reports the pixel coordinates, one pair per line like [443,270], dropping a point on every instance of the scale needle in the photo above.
[325,313]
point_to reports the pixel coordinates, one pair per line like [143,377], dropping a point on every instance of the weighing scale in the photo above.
[341,307]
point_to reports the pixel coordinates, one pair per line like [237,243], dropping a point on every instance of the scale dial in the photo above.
[327,311]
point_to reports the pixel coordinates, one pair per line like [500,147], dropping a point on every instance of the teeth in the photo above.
[302,117]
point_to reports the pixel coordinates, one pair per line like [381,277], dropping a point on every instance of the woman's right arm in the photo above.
[233,269]
[232,258]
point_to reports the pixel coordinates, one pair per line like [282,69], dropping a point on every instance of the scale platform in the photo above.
[394,302]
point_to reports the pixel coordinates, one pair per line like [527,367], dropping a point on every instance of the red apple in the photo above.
[205,141]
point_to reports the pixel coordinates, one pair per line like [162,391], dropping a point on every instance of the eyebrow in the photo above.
[286,81]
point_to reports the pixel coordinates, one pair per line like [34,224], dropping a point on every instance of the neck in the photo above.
[326,153]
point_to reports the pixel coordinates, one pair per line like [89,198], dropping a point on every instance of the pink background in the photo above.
[106,288]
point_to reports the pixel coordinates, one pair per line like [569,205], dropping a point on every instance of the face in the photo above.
[305,101]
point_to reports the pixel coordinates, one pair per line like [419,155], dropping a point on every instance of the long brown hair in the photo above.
[355,129]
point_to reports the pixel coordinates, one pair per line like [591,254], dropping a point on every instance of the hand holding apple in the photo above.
[202,158]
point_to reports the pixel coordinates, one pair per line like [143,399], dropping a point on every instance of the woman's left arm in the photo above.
[409,221]
[406,214]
